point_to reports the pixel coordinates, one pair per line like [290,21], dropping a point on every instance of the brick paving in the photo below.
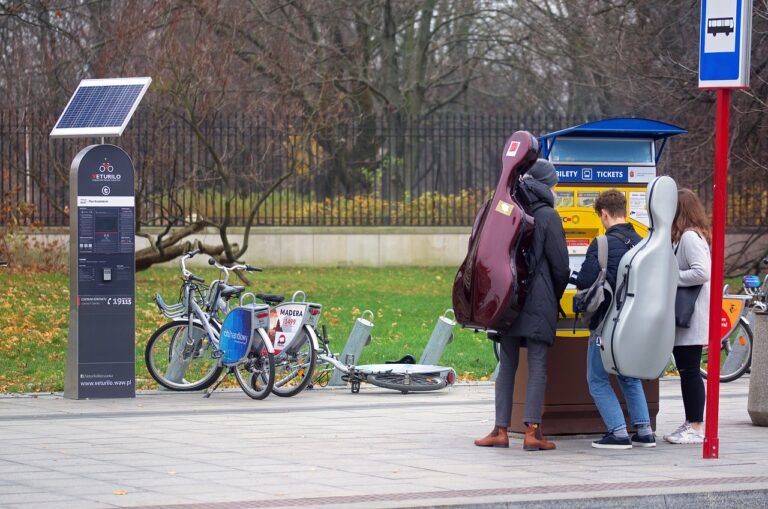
[330,448]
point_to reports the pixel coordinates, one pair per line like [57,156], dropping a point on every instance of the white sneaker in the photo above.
[686,436]
[679,430]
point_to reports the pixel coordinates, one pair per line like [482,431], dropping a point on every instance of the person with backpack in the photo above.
[611,206]
[535,326]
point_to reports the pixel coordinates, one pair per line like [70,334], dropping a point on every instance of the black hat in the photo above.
[544,171]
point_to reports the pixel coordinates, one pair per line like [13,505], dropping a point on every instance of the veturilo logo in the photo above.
[105,177]
[105,173]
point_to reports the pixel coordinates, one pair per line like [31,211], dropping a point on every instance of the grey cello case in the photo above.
[639,330]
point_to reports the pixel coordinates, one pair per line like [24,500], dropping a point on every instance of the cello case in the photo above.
[639,330]
[489,288]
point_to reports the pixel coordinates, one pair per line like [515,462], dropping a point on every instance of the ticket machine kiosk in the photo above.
[621,154]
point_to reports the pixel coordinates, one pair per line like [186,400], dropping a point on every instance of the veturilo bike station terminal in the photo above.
[102,322]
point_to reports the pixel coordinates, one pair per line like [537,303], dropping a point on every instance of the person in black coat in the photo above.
[535,326]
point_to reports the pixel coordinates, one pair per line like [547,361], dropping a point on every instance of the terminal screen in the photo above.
[608,151]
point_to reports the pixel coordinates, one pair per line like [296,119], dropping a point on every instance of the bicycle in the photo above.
[757,291]
[737,339]
[184,354]
[173,364]
[736,345]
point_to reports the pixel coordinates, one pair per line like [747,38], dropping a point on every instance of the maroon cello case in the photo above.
[490,286]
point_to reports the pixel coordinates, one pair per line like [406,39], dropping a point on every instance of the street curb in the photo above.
[745,499]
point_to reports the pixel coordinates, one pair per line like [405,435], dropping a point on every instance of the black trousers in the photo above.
[688,361]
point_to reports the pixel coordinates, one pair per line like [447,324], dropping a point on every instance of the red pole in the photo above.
[711,440]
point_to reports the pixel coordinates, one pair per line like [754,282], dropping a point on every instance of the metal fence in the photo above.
[383,170]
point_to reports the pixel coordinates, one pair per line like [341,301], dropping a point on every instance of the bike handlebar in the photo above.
[187,273]
[232,268]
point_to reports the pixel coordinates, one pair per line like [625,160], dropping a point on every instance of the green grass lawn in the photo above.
[405,302]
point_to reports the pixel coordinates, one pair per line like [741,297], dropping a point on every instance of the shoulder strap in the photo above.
[623,238]
[602,251]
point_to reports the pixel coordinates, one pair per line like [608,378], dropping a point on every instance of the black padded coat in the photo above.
[538,319]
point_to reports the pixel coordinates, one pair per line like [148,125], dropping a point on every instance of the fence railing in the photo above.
[382,170]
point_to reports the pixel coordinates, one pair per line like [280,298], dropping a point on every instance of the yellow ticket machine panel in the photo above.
[591,158]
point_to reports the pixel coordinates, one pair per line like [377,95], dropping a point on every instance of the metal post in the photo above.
[183,353]
[711,440]
[359,338]
[441,336]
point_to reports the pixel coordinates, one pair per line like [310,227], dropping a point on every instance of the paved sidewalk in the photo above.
[330,448]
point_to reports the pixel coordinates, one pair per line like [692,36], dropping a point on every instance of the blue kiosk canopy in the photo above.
[616,150]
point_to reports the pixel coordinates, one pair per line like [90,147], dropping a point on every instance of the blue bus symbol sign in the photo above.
[586,174]
[725,37]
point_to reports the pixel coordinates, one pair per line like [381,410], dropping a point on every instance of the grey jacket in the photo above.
[695,264]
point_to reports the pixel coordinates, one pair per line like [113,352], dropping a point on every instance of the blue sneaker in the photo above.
[610,441]
[644,441]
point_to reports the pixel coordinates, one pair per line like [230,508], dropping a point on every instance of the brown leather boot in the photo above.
[496,438]
[534,441]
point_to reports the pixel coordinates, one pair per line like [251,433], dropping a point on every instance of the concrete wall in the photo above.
[372,246]
[375,247]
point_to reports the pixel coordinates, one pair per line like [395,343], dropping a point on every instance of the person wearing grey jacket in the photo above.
[690,237]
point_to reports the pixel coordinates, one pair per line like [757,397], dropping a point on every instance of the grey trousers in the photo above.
[509,355]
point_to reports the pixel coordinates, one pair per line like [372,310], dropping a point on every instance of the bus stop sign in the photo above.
[724,44]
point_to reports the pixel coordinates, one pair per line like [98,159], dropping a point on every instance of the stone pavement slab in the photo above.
[330,448]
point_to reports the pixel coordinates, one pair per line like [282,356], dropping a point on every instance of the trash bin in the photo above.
[568,406]
[757,403]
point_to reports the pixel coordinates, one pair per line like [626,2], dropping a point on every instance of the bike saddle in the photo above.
[407,359]
[228,291]
[270,298]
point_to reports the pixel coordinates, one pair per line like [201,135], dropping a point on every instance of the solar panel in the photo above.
[100,108]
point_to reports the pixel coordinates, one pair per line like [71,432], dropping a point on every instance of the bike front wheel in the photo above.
[179,357]
[735,354]
[256,374]
[295,366]
[412,382]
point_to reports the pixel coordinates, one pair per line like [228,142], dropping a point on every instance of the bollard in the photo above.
[757,402]
[441,336]
[359,338]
